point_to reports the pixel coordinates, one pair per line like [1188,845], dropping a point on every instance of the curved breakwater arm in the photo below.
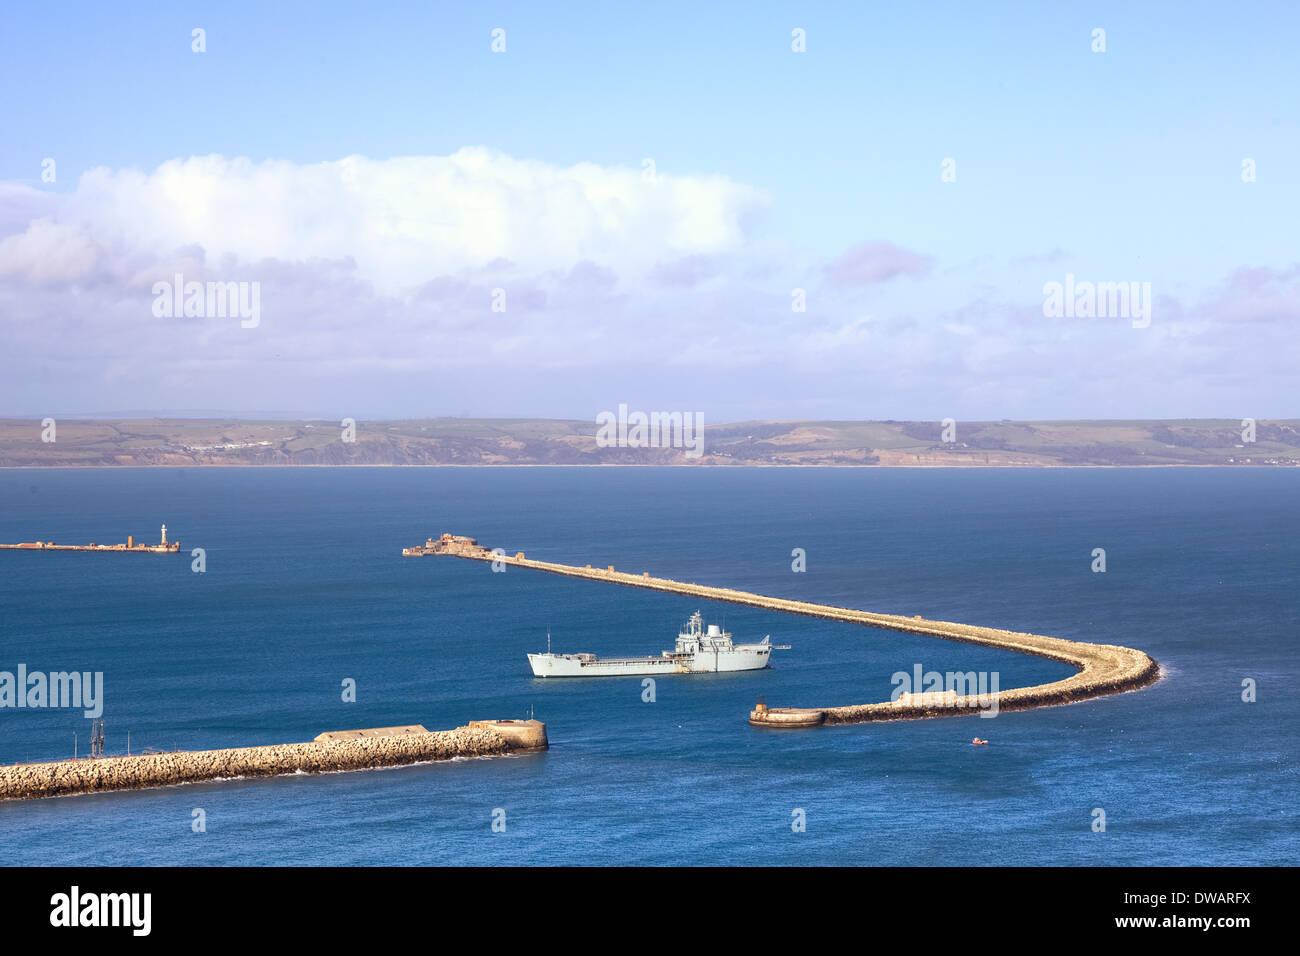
[1102,668]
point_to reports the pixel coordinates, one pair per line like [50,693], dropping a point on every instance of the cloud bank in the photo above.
[401,221]
[485,284]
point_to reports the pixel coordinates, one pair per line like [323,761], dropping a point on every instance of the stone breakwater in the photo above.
[344,750]
[1102,668]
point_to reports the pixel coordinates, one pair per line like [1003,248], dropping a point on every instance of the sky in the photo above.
[665,206]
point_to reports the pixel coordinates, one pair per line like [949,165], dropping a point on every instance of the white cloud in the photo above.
[48,252]
[403,221]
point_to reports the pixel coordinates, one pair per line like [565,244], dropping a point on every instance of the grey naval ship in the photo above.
[697,652]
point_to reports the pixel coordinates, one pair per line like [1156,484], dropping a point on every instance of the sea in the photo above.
[302,591]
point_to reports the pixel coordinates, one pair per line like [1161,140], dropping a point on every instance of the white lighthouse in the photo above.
[164,535]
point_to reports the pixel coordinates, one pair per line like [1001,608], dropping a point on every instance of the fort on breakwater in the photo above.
[338,750]
[1102,668]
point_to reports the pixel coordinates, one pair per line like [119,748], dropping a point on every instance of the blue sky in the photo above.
[1115,166]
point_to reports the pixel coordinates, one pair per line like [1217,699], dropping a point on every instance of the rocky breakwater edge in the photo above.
[334,751]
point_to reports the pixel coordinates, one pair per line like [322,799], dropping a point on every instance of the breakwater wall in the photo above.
[1102,668]
[339,750]
[173,548]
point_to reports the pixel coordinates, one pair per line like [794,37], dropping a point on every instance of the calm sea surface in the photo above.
[305,586]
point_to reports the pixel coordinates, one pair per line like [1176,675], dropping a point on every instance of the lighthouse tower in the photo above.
[164,535]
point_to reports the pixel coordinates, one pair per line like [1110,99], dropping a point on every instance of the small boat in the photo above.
[978,742]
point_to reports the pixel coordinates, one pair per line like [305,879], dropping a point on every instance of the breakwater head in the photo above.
[130,546]
[336,750]
[1103,669]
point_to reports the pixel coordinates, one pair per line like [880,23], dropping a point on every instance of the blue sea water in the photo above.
[305,586]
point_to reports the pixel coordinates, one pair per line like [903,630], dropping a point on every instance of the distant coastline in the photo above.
[653,464]
[463,442]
